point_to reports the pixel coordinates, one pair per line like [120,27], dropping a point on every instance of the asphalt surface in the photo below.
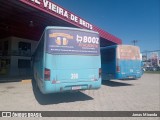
[117,95]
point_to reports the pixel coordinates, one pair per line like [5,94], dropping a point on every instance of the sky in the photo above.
[126,19]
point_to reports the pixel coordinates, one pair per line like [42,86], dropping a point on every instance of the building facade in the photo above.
[21,25]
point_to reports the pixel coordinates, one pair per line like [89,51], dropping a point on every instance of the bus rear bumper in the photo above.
[128,76]
[64,87]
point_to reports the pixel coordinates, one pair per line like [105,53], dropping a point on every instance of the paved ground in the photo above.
[128,95]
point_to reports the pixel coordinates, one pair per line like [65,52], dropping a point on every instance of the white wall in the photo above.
[14,70]
[16,40]
[13,46]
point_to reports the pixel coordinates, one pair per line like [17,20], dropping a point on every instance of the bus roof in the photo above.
[70,28]
[115,46]
[108,47]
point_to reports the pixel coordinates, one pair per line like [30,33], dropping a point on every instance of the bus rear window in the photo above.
[72,42]
[128,52]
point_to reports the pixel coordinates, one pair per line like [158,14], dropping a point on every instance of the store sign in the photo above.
[53,8]
[72,42]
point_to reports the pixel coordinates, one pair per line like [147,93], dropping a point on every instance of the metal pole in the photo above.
[134,42]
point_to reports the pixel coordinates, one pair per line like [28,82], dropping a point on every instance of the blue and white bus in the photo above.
[121,62]
[67,59]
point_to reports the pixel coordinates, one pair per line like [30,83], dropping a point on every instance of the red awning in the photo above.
[28,19]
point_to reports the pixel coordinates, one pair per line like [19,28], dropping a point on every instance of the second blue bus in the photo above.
[121,62]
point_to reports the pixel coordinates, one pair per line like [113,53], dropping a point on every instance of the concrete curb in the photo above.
[26,81]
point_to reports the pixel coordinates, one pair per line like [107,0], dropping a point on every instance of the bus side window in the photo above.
[39,51]
[36,56]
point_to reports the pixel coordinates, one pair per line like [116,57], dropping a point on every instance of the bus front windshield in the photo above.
[128,52]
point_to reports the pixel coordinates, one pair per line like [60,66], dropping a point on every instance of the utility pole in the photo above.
[134,42]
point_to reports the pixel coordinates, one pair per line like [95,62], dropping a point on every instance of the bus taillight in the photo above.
[47,74]
[100,72]
[118,68]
